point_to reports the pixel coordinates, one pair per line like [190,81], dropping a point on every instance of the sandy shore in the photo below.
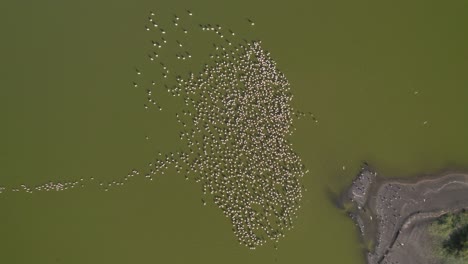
[392,214]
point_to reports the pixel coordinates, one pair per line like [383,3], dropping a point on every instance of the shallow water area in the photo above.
[386,82]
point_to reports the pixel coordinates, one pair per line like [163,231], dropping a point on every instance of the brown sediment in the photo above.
[392,213]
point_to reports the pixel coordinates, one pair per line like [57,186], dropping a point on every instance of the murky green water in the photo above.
[68,111]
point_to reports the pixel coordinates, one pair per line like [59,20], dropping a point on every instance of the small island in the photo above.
[410,221]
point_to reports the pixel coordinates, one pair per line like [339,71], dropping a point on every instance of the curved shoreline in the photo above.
[388,211]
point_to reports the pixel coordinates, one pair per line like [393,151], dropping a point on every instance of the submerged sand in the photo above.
[392,215]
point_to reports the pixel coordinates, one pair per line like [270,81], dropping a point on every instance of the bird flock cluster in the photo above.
[235,123]
[240,115]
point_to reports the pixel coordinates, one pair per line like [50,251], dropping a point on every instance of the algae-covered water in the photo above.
[386,80]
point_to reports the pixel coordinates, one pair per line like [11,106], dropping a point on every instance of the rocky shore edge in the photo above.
[391,213]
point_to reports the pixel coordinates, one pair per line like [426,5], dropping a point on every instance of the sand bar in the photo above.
[391,213]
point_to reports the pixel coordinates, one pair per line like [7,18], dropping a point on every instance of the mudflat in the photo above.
[393,214]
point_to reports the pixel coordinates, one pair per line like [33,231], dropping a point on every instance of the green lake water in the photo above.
[372,72]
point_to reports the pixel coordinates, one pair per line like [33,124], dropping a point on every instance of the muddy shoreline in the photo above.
[391,213]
